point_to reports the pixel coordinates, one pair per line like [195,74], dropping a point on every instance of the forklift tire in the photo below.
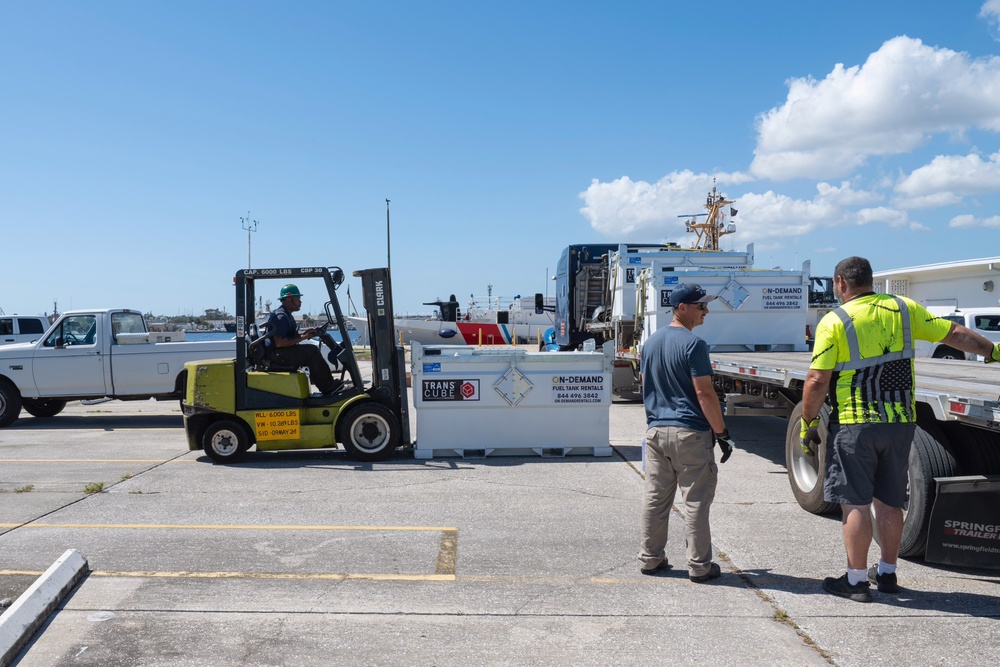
[370,431]
[225,441]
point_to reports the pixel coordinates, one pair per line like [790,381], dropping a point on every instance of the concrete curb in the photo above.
[26,615]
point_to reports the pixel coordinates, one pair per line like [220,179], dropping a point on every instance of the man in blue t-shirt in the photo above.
[283,346]
[682,413]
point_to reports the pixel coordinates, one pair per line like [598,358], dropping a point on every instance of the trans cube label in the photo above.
[450,390]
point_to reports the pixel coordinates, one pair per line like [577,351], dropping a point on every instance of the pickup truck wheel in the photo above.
[10,403]
[41,407]
[929,458]
[369,431]
[225,441]
[806,473]
[945,352]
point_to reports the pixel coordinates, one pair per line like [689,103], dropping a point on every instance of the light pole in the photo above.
[388,254]
[250,226]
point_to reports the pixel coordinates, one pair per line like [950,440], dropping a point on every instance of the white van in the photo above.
[984,321]
[21,328]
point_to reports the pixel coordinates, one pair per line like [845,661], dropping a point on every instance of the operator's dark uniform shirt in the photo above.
[281,323]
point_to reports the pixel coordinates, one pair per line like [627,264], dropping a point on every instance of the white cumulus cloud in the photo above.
[991,12]
[904,93]
[971,221]
[946,178]
[626,209]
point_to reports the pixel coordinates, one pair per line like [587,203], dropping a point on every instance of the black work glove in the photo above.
[726,444]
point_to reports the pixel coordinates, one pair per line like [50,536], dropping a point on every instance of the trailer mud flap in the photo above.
[964,528]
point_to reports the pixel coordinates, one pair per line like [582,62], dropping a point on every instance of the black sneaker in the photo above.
[859,592]
[886,582]
[664,565]
[714,572]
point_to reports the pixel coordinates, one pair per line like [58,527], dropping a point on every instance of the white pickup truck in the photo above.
[984,321]
[93,354]
[21,328]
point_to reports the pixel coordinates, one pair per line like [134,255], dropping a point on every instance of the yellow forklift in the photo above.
[230,405]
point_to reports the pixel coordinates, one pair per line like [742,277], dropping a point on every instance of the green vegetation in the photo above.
[24,489]
[94,487]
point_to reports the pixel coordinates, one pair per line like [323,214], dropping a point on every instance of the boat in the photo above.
[485,321]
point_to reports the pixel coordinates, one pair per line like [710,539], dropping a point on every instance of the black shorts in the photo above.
[866,461]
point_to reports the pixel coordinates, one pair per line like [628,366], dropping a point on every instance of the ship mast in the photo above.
[714,226]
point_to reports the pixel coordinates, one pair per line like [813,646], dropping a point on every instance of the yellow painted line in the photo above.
[252,575]
[182,526]
[447,558]
[98,460]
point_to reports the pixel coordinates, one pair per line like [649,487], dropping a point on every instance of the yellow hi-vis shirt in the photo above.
[868,344]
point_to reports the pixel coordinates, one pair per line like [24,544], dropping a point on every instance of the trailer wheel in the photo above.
[42,407]
[929,458]
[806,473]
[10,403]
[979,453]
[225,441]
[369,431]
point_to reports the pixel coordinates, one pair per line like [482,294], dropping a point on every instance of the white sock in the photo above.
[885,568]
[855,577]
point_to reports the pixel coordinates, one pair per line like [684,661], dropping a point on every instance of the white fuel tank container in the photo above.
[477,402]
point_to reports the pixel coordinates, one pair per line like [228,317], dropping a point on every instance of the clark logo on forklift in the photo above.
[450,390]
[380,298]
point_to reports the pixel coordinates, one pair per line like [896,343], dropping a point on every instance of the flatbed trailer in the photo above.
[958,425]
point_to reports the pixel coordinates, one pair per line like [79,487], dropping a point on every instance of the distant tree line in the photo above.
[211,315]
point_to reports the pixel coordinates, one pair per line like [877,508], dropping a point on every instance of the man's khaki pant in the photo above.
[678,457]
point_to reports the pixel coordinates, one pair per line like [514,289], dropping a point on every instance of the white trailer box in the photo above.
[475,402]
[756,310]
[628,261]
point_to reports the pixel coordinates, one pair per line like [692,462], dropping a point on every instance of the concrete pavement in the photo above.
[307,558]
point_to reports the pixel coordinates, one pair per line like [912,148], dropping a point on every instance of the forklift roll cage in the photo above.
[388,364]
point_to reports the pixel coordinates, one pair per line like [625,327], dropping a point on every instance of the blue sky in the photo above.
[135,135]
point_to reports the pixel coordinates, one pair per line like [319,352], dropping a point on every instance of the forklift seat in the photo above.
[257,356]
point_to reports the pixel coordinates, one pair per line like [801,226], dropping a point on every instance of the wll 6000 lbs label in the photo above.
[276,424]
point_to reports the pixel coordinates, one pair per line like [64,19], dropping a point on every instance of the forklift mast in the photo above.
[388,357]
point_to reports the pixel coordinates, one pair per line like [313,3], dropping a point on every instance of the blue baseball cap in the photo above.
[689,294]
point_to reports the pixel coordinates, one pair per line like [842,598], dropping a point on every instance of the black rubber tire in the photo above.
[225,440]
[976,450]
[43,407]
[10,403]
[929,458]
[806,473]
[369,431]
[945,352]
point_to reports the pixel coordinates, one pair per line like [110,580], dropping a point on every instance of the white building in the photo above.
[970,283]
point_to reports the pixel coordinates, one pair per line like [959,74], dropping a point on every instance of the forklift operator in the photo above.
[283,346]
